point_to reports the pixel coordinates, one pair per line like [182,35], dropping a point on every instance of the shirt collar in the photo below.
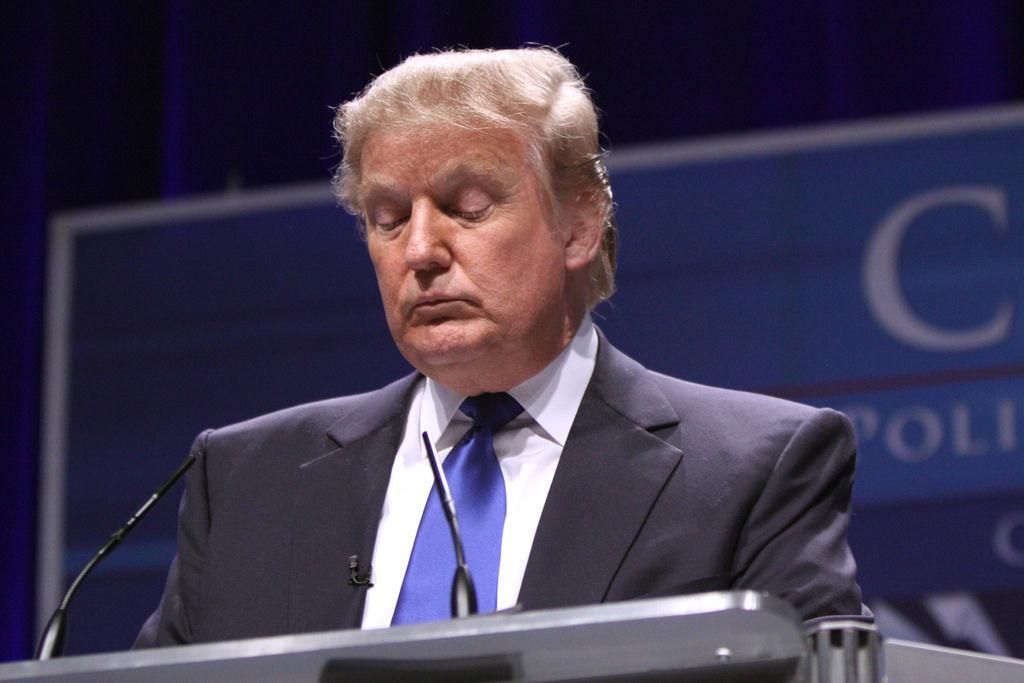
[551,397]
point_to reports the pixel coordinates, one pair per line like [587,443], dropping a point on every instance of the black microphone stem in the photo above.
[463,590]
[51,644]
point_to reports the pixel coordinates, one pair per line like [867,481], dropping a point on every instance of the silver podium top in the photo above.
[639,638]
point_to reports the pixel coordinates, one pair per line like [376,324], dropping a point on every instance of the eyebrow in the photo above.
[377,188]
[496,177]
[487,172]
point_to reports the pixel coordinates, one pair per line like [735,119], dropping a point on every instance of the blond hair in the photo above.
[533,92]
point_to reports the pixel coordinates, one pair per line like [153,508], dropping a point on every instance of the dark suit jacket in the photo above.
[664,487]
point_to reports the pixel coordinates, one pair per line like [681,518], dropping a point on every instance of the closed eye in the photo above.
[470,201]
[389,226]
[387,218]
[472,215]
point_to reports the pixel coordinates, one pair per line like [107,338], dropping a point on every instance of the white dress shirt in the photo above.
[528,449]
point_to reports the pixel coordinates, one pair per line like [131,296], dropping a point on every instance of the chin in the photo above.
[438,347]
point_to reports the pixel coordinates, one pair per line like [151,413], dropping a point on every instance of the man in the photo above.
[480,184]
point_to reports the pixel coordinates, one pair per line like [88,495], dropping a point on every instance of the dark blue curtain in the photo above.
[117,101]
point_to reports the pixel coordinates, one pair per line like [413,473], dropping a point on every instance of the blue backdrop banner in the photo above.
[877,268]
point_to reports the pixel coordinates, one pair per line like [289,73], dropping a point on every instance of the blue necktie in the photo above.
[478,490]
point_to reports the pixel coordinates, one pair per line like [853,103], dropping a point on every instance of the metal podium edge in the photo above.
[909,662]
[496,624]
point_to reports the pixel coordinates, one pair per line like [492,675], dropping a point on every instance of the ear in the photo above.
[584,230]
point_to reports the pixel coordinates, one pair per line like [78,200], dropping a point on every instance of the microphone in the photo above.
[51,643]
[463,591]
[355,578]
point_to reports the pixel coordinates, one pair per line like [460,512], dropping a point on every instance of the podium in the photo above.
[721,637]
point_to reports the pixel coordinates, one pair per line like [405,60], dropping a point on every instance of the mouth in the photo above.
[432,305]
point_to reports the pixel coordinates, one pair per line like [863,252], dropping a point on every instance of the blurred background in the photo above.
[115,103]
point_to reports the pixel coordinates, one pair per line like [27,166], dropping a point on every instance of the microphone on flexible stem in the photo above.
[51,643]
[463,591]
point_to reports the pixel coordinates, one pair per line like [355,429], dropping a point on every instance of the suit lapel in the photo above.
[609,476]
[335,519]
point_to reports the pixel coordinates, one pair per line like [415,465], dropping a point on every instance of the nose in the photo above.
[427,244]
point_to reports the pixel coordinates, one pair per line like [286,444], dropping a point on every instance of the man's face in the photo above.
[472,273]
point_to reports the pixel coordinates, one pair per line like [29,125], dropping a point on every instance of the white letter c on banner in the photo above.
[880,273]
[1002,540]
